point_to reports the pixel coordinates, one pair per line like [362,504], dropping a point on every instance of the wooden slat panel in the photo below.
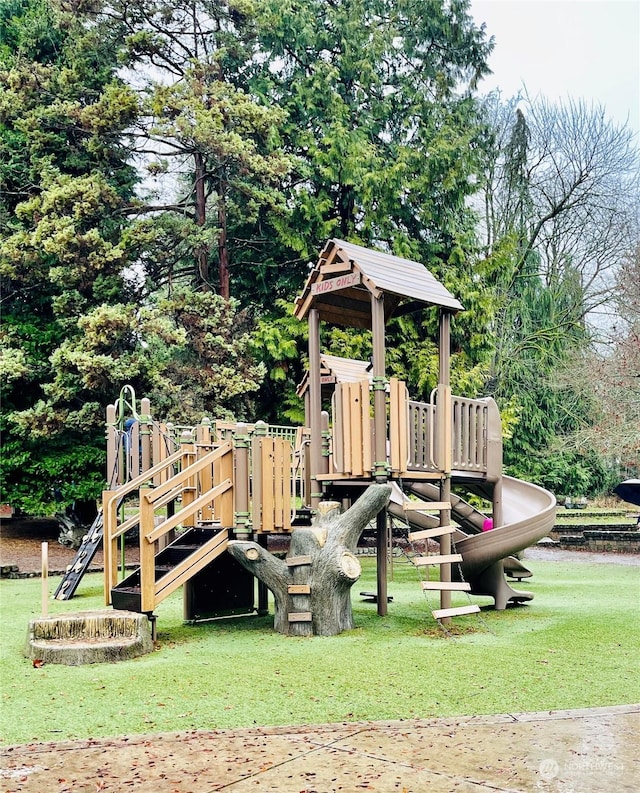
[156,455]
[455,612]
[448,586]
[299,589]
[355,420]
[295,561]
[424,534]
[338,440]
[346,429]
[447,559]
[299,616]
[399,425]
[268,454]
[278,482]
[403,426]
[367,427]
[394,452]
[203,438]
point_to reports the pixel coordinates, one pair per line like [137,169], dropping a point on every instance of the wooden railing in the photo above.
[215,467]
[203,486]
[250,482]
[417,441]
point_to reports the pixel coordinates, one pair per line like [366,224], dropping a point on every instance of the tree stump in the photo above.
[312,586]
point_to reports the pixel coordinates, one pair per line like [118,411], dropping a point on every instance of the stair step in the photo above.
[126,598]
[447,586]
[425,506]
[299,616]
[299,589]
[424,534]
[456,612]
[184,547]
[447,559]
[298,561]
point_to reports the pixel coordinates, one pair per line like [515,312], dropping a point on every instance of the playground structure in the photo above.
[219,481]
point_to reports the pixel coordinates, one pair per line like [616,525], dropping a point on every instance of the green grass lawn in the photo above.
[576,645]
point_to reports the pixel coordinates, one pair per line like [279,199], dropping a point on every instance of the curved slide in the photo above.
[529,514]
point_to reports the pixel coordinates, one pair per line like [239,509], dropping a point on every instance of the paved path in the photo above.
[577,751]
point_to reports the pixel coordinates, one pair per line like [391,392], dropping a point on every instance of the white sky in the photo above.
[585,49]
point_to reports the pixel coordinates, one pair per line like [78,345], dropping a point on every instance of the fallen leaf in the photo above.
[37,663]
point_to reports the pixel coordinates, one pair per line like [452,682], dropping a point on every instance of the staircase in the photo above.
[173,565]
[444,561]
[198,500]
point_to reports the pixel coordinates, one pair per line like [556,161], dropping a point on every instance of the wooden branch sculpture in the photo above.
[312,586]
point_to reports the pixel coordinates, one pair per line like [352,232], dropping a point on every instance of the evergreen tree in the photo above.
[65,182]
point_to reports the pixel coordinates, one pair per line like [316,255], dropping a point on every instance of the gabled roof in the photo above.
[346,275]
[334,369]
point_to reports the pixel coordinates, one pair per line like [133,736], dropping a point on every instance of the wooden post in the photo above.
[315,406]
[145,435]
[380,465]
[189,493]
[242,523]
[259,433]
[326,441]
[45,579]
[112,448]
[263,589]
[147,553]
[443,412]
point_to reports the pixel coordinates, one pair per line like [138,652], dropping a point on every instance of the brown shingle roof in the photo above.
[376,273]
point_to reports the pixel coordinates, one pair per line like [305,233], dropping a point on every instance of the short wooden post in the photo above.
[45,579]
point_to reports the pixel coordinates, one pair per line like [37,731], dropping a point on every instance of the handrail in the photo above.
[188,511]
[191,470]
[135,484]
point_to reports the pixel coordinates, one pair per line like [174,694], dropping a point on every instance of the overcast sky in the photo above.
[586,49]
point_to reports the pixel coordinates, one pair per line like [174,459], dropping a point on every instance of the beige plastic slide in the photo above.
[529,515]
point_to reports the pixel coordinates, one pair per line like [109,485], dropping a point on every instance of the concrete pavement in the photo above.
[576,751]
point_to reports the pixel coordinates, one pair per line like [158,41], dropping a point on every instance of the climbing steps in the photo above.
[174,565]
[91,541]
[299,591]
[443,560]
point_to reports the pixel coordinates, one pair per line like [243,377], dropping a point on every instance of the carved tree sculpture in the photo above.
[312,586]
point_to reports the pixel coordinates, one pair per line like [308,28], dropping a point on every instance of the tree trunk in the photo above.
[312,586]
[202,253]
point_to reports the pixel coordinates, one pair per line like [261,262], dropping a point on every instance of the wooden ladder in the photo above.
[439,559]
[303,590]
